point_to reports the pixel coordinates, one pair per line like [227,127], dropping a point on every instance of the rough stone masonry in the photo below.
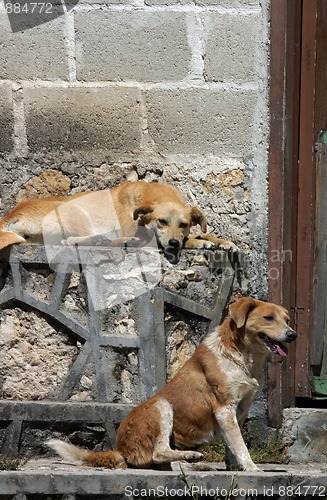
[169,90]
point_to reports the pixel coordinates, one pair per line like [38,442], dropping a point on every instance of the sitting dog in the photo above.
[111,216]
[209,397]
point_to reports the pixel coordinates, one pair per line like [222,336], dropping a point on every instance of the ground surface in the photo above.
[50,476]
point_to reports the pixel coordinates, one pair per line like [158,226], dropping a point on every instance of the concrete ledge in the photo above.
[49,476]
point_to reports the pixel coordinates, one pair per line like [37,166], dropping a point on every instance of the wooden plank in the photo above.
[285,20]
[278,63]
[319,344]
[288,252]
[319,302]
[321,70]
[305,199]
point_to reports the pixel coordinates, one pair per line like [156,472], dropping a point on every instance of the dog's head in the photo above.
[263,324]
[171,223]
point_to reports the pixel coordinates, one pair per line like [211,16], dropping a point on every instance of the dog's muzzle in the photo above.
[275,346]
[290,336]
[173,244]
[172,251]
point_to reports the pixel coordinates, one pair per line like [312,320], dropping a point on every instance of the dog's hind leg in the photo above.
[162,451]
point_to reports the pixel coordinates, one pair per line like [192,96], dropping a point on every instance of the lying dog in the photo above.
[209,397]
[113,214]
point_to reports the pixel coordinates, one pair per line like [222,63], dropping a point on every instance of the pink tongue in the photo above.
[280,351]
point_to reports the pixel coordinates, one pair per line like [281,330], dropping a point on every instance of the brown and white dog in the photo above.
[121,212]
[209,397]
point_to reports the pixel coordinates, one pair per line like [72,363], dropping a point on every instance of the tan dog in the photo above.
[122,212]
[209,397]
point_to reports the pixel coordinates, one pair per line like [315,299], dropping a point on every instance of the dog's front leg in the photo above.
[230,459]
[210,242]
[231,433]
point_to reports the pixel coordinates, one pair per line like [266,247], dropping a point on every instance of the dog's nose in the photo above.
[173,243]
[290,335]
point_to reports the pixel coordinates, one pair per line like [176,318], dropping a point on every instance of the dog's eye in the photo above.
[183,225]
[163,222]
[269,318]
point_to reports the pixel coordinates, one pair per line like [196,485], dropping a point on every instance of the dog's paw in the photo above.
[200,243]
[68,242]
[193,455]
[132,241]
[252,468]
[208,245]
[229,246]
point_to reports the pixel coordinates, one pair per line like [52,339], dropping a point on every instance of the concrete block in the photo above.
[73,119]
[38,52]
[135,45]
[168,2]
[229,54]
[200,121]
[6,118]
[229,3]
[105,2]
[222,3]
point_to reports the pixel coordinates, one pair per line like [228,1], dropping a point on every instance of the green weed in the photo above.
[269,450]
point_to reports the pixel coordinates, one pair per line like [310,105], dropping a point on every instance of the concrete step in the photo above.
[53,476]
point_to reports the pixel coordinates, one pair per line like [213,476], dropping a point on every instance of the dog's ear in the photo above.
[198,217]
[240,309]
[142,211]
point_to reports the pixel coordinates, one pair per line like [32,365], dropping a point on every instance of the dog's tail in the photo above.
[111,459]
[9,238]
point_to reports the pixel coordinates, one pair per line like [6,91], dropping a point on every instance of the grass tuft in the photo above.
[269,450]
[9,464]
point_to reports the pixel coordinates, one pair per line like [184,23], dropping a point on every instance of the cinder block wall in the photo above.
[156,90]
